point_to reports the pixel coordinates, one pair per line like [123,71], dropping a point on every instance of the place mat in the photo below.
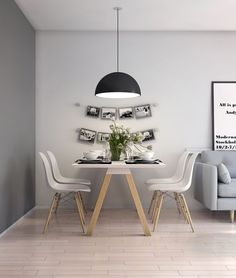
[96,161]
[142,162]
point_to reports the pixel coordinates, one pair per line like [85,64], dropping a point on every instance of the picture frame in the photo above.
[102,137]
[126,113]
[107,113]
[224,115]
[87,135]
[142,111]
[149,135]
[93,111]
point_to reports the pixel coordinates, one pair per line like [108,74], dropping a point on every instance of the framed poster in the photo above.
[224,115]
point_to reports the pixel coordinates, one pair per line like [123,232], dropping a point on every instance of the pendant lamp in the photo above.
[117,84]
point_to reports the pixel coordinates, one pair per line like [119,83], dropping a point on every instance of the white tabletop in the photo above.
[120,165]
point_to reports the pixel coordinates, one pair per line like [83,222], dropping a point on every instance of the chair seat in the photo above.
[72,188]
[163,180]
[74,180]
[174,187]
[227,190]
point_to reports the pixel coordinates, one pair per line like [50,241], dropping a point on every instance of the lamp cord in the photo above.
[117,39]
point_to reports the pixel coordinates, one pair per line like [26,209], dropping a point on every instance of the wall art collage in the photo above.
[121,113]
[90,136]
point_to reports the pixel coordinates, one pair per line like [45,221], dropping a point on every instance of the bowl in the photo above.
[99,152]
[147,155]
[91,155]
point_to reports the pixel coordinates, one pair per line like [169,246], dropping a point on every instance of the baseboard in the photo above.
[17,221]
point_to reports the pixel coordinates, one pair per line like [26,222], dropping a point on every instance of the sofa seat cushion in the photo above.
[227,190]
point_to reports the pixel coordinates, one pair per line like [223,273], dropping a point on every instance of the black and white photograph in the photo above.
[126,113]
[148,135]
[103,137]
[142,111]
[87,135]
[108,113]
[93,111]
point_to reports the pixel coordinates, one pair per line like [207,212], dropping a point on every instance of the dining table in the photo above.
[118,168]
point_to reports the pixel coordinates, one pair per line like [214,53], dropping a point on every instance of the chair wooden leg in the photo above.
[177,202]
[79,211]
[187,211]
[57,202]
[81,207]
[155,203]
[152,202]
[158,210]
[232,216]
[83,204]
[181,203]
[54,201]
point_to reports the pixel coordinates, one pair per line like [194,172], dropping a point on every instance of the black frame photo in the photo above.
[142,111]
[224,115]
[126,113]
[108,113]
[93,111]
[87,135]
[149,135]
[103,137]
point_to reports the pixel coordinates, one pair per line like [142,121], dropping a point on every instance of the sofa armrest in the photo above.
[206,184]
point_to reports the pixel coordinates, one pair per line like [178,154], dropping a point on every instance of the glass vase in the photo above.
[115,152]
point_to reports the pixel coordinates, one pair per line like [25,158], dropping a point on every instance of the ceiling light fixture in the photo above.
[117,84]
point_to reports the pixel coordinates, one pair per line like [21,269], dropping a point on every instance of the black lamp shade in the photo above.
[117,85]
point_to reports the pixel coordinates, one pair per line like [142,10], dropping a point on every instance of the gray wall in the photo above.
[17,114]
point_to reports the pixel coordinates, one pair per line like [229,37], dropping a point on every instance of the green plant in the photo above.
[120,138]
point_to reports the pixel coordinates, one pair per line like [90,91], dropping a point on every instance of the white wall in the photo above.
[174,69]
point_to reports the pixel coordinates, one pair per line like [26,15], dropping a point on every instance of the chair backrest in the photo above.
[55,169]
[48,171]
[181,165]
[188,174]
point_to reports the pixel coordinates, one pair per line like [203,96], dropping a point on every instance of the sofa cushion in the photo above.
[223,174]
[227,190]
[217,157]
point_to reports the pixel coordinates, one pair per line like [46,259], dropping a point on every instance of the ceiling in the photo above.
[136,15]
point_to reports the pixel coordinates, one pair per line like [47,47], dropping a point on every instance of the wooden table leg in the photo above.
[99,203]
[138,204]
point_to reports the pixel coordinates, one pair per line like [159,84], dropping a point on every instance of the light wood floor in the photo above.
[118,249]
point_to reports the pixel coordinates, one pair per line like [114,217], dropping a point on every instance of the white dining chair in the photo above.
[61,179]
[57,173]
[178,189]
[60,188]
[178,176]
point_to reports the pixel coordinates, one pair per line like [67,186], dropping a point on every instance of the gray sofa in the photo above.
[208,190]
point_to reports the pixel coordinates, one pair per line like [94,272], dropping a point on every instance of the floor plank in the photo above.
[118,248]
